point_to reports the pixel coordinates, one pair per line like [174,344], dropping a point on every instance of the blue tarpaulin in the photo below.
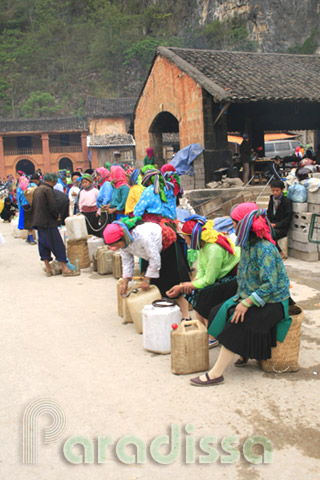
[182,161]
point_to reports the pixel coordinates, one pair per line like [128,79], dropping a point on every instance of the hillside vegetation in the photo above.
[54,53]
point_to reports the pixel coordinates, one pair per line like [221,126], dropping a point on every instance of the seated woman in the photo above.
[9,210]
[120,192]
[250,323]
[144,240]
[150,204]
[135,192]
[218,259]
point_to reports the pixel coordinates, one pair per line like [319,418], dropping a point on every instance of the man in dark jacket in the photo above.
[45,217]
[279,210]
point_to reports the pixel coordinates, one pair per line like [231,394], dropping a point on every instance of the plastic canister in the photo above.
[137,299]
[76,227]
[189,348]
[117,265]
[123,310]
[157,321]
[104,260]
[93,244]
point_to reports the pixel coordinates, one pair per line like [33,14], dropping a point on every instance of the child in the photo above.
[8,211]
[74,192]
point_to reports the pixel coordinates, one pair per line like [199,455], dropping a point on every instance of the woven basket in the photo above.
[79,247]
[284,357]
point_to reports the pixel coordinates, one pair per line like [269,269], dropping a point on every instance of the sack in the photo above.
[29,194]
[297,193]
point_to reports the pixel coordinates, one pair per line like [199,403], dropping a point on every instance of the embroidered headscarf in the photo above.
[88,177]
[172,178]
[134,177]
[251,218]
[105,175]
[156,177]
[202,229]
[23,183]
[118,176]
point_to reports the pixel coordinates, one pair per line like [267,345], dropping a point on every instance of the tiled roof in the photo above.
[115,140]
[109,107]
[44,125]
[248,77]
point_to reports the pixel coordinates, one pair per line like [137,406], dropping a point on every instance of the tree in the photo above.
[39,104]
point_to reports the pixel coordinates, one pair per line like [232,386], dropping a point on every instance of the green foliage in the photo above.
[39,104]
[309,46]
[143,51]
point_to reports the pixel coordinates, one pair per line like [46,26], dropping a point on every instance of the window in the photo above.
[64,140]
[269,147]
[281,146]
[24,142]
[294,145]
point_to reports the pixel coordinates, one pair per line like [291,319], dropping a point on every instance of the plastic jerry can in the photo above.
[137,299]
[157,321]
[117,265]
[189,348]
[123,310]
[76,227]
[104,260]
[93,244]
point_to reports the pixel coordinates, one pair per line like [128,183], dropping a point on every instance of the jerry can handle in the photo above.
[188,323]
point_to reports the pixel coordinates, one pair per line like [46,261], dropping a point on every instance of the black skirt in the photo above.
[204,299]
[174,267]
[256,335]
[95,225]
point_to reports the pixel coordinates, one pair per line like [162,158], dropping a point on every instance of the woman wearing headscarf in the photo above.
[150,204]
[120,192]
[88,205]
[173,191]
[218,259]
[105,187]
[145,240]
[149,158]
[135,192]
[25,212]
[250,323]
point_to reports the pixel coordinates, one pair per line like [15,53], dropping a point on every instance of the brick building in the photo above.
[109,121]
[203,94]
[48,144]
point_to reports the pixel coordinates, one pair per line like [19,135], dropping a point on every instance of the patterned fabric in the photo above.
[261,273]
[156,178]
[133,198]
[250,217]
[149,202]
[169,209]
[147,244]
[276,203]
[169,236]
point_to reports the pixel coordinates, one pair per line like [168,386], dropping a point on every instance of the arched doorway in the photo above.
[25,166]
[164,132]
[65,164]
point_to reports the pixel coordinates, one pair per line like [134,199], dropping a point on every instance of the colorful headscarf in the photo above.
[120,229]
[105,175]
[202,229]
[149,152]
[172,178]
[133,179]
[156,177]
[251,218]
[118,176]
[23,183]
[88,177]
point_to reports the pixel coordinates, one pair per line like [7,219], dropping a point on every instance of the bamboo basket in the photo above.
[79,247]
[284,357]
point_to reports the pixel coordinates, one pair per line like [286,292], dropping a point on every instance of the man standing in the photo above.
[245,157]
[279,211]
[45,218]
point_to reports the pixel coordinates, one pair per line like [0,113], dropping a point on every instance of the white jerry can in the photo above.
[157,321]
[93,244]
[76,227]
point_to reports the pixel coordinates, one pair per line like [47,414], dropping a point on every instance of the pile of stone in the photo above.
[298,236]
[226,182]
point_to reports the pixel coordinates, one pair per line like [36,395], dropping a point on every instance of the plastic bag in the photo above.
[297,193]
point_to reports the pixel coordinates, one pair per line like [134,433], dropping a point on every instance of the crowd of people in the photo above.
[240,292]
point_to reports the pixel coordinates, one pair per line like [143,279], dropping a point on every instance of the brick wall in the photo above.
[168,89]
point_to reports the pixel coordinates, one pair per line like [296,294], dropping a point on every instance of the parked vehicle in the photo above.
[281,148]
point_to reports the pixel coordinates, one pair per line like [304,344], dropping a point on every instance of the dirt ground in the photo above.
[62,341]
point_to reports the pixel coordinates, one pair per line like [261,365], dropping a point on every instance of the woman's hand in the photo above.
[112,210]
[175,291]
[124,286]
[187,287]
[145,285]
[239,313]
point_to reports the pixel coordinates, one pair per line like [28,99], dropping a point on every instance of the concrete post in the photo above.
[46,152]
